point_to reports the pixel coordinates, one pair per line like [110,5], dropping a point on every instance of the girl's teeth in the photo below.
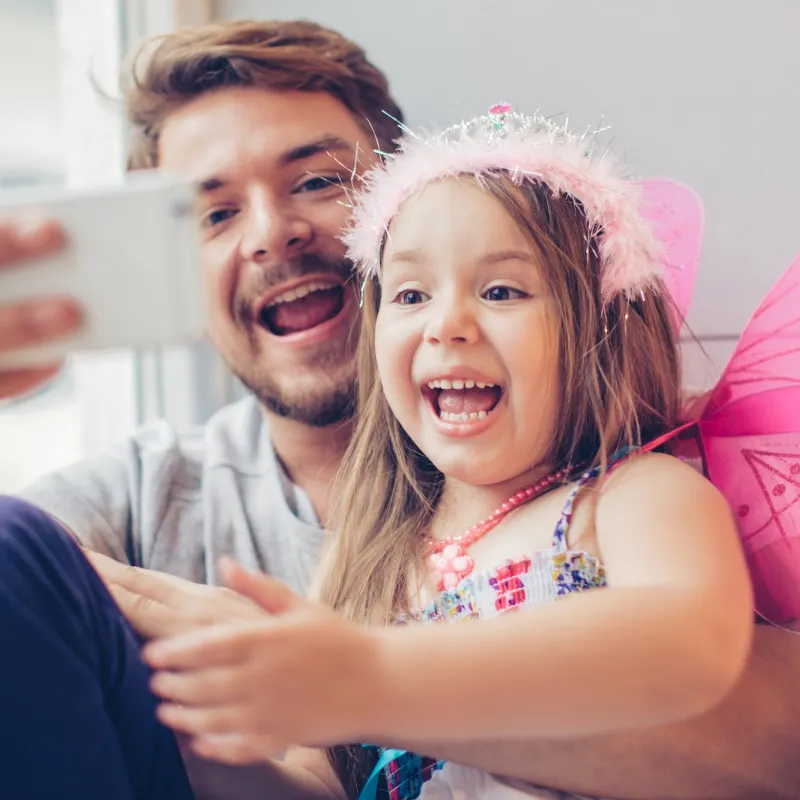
[474,416]
[458,384]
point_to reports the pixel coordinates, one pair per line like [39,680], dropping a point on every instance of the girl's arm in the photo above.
[743,749]
[666,640]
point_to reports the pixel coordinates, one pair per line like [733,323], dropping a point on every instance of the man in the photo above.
[272,140]
[273,119]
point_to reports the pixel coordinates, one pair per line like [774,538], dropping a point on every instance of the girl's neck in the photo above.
[464,504]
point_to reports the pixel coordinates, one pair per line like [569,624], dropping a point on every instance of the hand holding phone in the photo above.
[27,324]
[129,260]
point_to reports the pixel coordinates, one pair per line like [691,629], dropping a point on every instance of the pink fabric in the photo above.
[750,434]
[675,213]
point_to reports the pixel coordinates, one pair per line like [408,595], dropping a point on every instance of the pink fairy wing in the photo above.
[759,476]
[676,214]
[751,438]
[767,356]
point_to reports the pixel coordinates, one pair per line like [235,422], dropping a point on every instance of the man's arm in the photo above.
[93,500]
[115,501]
[748,748]
[303,775]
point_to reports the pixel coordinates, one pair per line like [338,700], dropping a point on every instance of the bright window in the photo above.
[59,129]
[41,432]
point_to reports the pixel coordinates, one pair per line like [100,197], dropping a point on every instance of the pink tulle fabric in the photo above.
[675,213]
[750,435]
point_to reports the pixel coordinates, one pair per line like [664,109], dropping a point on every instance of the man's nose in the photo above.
[274,231]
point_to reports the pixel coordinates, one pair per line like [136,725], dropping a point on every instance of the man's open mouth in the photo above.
[302,308]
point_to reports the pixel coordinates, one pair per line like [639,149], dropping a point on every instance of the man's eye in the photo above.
[217,216]
[319,182]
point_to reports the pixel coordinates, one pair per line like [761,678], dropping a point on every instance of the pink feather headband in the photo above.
[527,148]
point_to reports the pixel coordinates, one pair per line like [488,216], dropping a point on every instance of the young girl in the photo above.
[518,350]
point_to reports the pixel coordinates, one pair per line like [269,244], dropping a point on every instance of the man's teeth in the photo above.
[301,291]
[474,416]
[457,384]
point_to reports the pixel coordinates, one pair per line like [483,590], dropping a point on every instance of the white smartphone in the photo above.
[131,262]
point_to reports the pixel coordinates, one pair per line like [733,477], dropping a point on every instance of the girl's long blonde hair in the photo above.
[620,385]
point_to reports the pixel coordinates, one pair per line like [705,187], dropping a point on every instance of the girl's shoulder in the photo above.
[655,475]
[658,488]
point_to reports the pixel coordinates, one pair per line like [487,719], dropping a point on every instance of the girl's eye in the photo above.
[217,216]
[410,297]
[498,294]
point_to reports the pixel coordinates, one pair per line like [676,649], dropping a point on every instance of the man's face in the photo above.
[274,168]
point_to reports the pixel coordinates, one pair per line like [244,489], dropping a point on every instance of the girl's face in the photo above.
[465,338]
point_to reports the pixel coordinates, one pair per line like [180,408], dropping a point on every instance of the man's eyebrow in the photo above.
[210,185]
[323,145]
[307,150]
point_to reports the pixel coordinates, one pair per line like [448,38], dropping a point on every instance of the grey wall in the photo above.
[705,91]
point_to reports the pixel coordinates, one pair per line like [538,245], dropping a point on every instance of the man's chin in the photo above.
[318,412]
[314,399]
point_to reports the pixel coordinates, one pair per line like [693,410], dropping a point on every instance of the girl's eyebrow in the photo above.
[416,257]
[409,256]
[506,255]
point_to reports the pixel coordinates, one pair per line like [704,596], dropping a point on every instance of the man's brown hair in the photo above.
[168,71]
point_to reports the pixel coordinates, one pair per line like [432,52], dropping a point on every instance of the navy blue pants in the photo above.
[77,718]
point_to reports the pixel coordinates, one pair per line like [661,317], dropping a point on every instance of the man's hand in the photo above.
[246,690]
[159,605]
[37,321]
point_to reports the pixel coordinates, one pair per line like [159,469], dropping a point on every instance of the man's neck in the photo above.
[311,456]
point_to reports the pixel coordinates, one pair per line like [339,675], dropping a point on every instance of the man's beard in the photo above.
[318,411]
[330,402]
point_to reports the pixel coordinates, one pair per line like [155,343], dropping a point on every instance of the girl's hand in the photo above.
[248,689]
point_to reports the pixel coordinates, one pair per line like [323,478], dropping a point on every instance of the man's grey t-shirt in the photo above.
[177,503]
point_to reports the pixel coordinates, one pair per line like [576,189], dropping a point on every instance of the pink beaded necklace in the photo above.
[448,559]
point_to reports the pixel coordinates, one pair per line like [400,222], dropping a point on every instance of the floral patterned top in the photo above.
[530,580]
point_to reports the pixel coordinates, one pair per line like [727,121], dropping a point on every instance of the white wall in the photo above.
[704,91]
[30,141]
